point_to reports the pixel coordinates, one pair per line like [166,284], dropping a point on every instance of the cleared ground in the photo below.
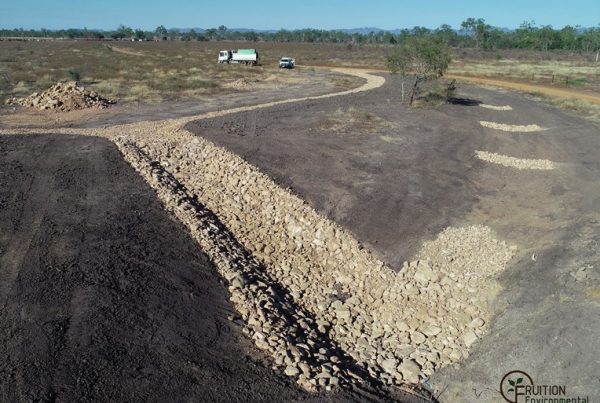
[104,296]
[393,188]
[297,83]
[402,184]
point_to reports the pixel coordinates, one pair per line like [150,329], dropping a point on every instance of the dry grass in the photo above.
[152,71]
[564,70]
[145,71]
[581,107]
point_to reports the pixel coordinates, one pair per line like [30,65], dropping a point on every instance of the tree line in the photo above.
[473,33]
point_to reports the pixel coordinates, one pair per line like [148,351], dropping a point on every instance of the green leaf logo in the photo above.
[511,382]
[520,380]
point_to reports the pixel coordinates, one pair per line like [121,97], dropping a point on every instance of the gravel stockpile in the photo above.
[497,107]
[512,162]
[512,128]
[63,97]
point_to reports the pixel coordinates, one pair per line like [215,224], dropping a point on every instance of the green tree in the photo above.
[426,57]
[222,31]
[478,29]
[139,34]
[568,37]
[400,62]
[447,34]
[161,32]
[122,32]
[211,34]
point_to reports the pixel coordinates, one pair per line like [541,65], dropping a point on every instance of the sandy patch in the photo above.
[512,128]
[497,107]
[512,162]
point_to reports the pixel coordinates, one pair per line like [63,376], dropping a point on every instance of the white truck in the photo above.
[246,56]
[287,63]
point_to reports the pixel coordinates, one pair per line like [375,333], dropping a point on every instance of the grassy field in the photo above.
[561,70]
[154,71]
[577,73]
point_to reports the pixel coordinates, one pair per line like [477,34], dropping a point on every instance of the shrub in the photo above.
[74,74]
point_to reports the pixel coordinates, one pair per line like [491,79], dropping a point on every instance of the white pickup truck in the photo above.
[287,63]
[246,56]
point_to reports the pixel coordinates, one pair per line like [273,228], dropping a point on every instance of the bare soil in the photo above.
[71,209]
[104,296]
[397,184]
[400,187]
[312,82]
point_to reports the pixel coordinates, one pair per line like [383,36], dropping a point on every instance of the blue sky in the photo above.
[290,14]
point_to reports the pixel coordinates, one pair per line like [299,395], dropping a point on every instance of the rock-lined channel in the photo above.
[326,310]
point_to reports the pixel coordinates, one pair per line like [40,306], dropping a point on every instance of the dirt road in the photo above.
[524,87]
[305,82]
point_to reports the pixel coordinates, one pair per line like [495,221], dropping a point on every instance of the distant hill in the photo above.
[363,31]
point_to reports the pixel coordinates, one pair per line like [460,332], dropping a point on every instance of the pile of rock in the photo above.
[276,324]
[64,97]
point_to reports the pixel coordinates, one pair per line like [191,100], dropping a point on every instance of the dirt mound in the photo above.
[64,97]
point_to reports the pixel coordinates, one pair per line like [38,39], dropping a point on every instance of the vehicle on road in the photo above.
[286,63]
[246,56]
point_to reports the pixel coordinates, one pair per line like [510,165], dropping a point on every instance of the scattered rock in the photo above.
[410,371]
[431,331]
[291,371]
[469,338]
